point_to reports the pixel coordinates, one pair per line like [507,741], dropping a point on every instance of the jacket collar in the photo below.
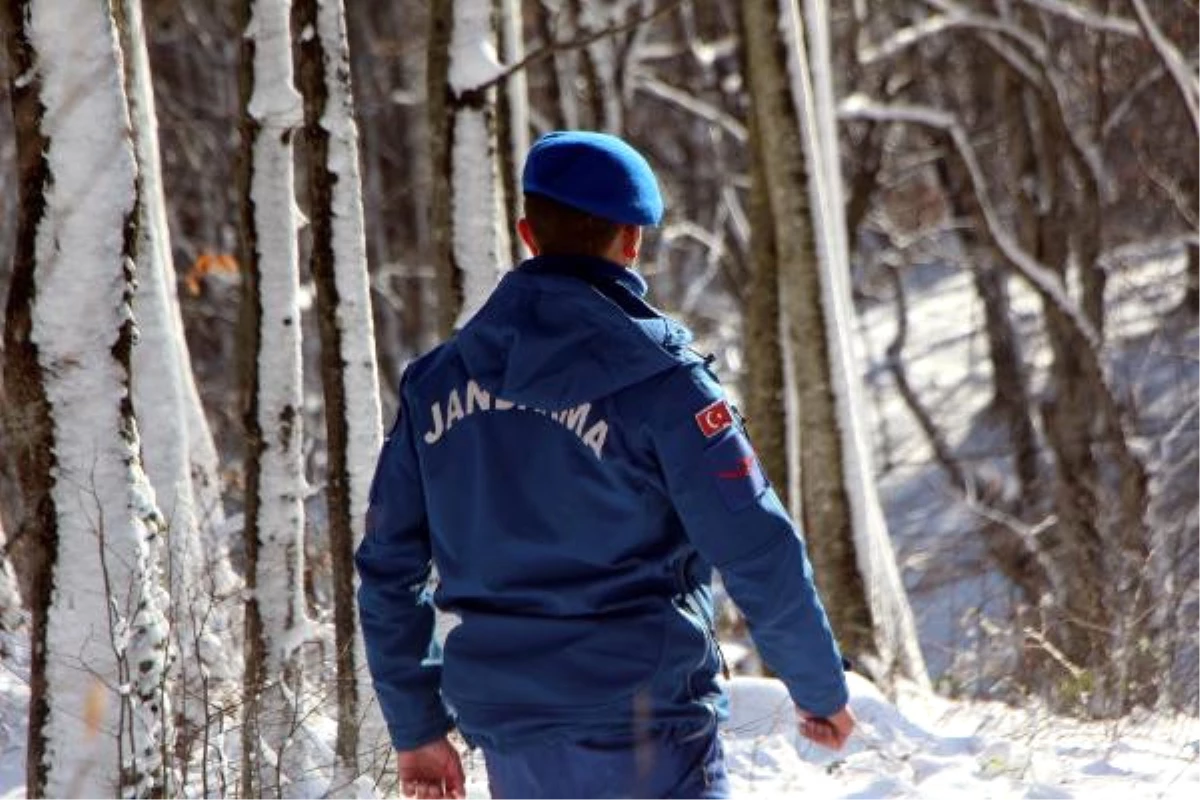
[598,272]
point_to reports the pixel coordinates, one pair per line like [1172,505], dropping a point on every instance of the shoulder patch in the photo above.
[714,418]
[735,472]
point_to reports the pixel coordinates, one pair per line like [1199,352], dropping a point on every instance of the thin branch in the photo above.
[1041,277]
[868,53]
[1183,76]
[693,105]
[1122,108]
[548,50]
[1108,23]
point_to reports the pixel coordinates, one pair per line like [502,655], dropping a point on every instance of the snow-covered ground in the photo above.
[921,747]
[928,747]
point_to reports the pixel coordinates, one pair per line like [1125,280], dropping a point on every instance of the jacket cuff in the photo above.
[430,730]
[823,704]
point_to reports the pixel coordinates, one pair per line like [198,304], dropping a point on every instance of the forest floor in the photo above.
[922,746]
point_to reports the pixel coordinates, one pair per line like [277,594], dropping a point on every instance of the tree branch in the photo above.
[1038,275]
[1108,23]
[548,50]
[1183,76]
[693,105]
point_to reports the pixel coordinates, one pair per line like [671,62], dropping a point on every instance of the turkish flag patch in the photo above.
[714,418]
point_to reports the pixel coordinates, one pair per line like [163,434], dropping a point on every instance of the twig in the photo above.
[548,50]
[1183,76]
[1108,23]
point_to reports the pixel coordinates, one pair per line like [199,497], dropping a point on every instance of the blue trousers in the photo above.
[662,766]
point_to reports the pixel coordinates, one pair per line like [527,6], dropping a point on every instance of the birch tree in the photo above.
[276,617]
[832,487]
[196,566]
[512,117]
[469,225]
[99,724]
[348,368]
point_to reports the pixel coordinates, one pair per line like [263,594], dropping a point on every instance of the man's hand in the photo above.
[432,770]
[831,731]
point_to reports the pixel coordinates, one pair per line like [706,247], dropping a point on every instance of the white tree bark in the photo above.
[197,573]
[278,622]
[105,635]
[349,369]
[480,234]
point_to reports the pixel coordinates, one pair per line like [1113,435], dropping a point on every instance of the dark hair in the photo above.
[564,231]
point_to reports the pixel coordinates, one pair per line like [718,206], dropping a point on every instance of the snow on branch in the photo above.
[693,105]
[905,38]
[1041,277]
[502,73]
[1106,23]
[1183,75]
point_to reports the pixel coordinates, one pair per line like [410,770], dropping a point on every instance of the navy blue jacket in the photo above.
[574,472]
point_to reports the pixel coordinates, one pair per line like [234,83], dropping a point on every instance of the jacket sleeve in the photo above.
[738,524]
[394,564]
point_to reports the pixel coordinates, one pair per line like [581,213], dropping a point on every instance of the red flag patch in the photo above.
[714,418]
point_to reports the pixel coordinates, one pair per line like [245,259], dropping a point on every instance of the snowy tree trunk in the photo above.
[197,570]
[471,240]
[276,619]
[852,554]
[512,117]
[99,632]
[348,368]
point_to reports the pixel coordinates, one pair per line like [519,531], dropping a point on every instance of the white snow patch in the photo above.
[473,60]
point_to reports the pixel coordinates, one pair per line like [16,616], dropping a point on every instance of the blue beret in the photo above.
[594,172]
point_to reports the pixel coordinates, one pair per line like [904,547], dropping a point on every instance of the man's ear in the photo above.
[631,242]
[525,231]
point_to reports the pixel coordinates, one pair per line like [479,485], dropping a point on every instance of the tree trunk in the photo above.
[91,520]
[348,368]
[847,536]
[1011,398]
[1100,539]
[159,401]
[1190,304]
[512,118]
[471,242]
[766,406]
[274,529]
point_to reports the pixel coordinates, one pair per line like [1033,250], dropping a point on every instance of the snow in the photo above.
[276,106]
[926,747]
[107,523]
[354,317]
[474,62]
[360,375]
[922,746]
[481,243]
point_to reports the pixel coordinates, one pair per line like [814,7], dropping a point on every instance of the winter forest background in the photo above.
[944,253]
